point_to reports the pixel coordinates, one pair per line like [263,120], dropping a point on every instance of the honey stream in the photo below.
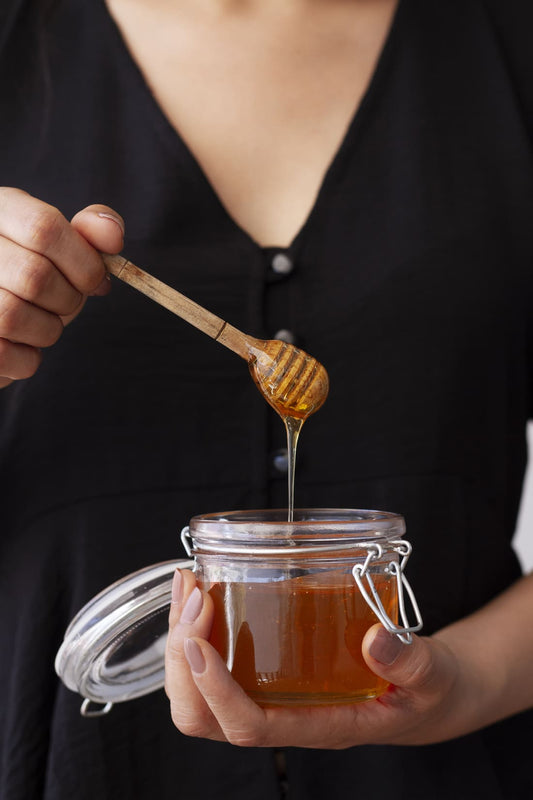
[296,385]
[293,426]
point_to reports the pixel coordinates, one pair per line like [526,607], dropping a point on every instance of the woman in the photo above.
[357,173]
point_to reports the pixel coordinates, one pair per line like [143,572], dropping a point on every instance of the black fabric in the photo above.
[412,284]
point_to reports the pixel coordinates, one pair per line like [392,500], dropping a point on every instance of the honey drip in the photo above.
[293,426]
[296,385]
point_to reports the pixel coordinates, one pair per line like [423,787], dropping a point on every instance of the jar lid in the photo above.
[114,648]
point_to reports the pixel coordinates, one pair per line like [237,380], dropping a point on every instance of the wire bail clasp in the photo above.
[396,569]
[186,540]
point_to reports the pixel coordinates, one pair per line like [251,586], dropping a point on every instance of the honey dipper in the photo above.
[292,381]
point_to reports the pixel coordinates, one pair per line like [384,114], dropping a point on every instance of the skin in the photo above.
[467,676]
[48,267]
[261,91]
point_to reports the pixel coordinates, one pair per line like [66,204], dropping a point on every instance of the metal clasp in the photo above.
[361,571]
[186,540]
[97,711]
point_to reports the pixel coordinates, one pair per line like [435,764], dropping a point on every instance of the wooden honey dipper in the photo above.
[293,382]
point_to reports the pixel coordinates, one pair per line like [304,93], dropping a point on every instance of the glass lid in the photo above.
[114,648]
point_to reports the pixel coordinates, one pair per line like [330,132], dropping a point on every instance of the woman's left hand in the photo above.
[434,695]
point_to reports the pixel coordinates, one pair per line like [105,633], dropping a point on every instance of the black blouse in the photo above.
[410,280]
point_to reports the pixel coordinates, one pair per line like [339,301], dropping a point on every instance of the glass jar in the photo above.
[293,600]
[292,604]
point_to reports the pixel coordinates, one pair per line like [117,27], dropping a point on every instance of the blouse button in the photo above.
[280,461]
[285,335]
[282,264]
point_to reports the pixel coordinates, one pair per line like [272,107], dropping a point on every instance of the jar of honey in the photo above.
[293,600]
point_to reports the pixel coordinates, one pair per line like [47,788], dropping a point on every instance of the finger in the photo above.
[17,361]
[102,227]
[236,715]
[246,724]
[182,585]
[34,278]
[189,711]
[423,668]
[41,228]
[24,323]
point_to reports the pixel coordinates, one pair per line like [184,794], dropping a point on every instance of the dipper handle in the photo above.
[207,322]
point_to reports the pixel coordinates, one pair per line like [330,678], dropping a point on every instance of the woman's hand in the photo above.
[48,267]
[434,695]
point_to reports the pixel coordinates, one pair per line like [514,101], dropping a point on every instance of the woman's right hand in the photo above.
[48,267]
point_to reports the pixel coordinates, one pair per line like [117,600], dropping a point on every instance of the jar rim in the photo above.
[319,526]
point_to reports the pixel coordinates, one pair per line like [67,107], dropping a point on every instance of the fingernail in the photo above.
[192,607]
[194,656]
[114,219]
[103,288]
[177,587]
[385,647]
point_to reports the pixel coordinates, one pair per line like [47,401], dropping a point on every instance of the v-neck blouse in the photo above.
[410,280]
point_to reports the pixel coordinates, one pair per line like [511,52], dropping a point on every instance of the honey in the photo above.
[298,641]
[296,385]
[292,381]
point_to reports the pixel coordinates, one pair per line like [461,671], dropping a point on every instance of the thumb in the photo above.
[419,666]
[104,230]
[101,226]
